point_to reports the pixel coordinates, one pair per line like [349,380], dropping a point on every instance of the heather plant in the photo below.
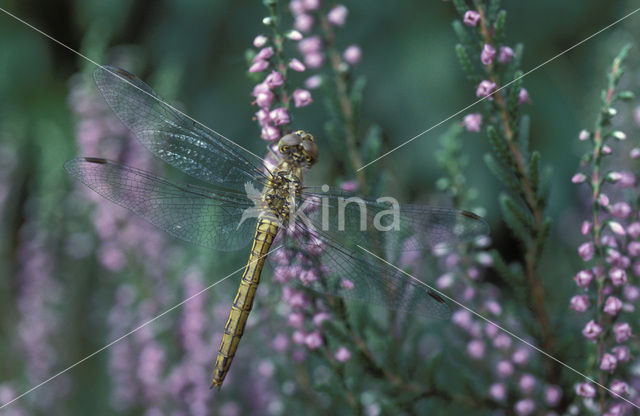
[84,273]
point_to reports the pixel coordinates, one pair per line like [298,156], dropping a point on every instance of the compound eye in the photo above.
[300,133]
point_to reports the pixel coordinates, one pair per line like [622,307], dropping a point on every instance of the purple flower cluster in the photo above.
[606,295]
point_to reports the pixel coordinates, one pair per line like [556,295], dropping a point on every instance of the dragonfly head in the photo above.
[299,148]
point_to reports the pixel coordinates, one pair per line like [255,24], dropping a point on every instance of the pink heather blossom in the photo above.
[586,228]
[352,55]
[298,337]
[523,96]
[552,395]
[445,281]
[462,318]
[627,180]
[636,268]
[338,15]
[263,117]
[621,210]
[525,407]
[586,390]
[608,363]
[296,7]
[504,369]
[260,41]
[472,122]
[622,353]
[606,149]
[586,250]
[612,305]
[310,45]
[264,54]
[270,133]
[311,4]
[505,55]
[349,186]
[634,153]
[619,135]
[491,330]
[279,116]
[280,343]
[592,330]
[485,88]
[298,300]
[584,135]
[619,387]
[498,392]
[301,98]
[618,276]
[633,248]
[314,60]
[313,340]
[296,65]
[313,82]
[475,349]
[347,284]
[622,331]
[520,356]
[295,320]
[487,55]
[631,293]
[578,178]
[493,307]
[303,23]
[617,228]
[583,278]
[274,79]
[264,99]
[259,66]
[294,35]
[579,303]
[471,18]
[502,342]
[342,354]
[260,88]
[320,317]
[527,383]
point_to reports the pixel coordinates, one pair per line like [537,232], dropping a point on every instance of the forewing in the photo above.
[210,218]
[173,137]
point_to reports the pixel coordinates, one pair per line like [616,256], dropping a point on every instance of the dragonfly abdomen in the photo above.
[265,233]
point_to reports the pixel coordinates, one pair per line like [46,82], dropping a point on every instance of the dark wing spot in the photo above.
[435,296]
[96,160]
[126,73]
[471,215]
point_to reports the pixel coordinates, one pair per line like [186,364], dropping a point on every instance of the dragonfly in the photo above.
[239,200]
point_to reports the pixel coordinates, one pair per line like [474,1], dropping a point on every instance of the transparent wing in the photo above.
[384,224]
[210,218]
[173,137]
[359,276]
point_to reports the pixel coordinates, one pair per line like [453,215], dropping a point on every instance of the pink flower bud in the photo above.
[617,228]
[586,228]
[621,210]
[274,79]
[578,178]
[634,153]
[592,330]
[634,229]
[523,96]
[445,281]
[583,278]
[622,331]
[527,383]
[279,116]
[633,248]
[259,66]
[603,200]
[586,390]
[475,349]
[520,356]
[462,318]
[579,303]
[313,340]
[311,4]
[260,41]
[296,65]
[265,53]
[505,55]
[472,122]
[347,284]
[622,353]
[608,363]
[471,18]
[314,60]
[612,305]
[487,55]
[264,99]
[303,23]
[342,354]
[552,395]
[618,276]
[485,88]
[584,135]
[619,387]
[352,55]
[525,407]
[338,15]
[631,293]
[294,35]
[270,133]
[498,392]
[301,98]
[313,82]
[627,180]
[586,250]
[606,150]
[502,342]
[296,7]
[504,368]
[310,45]
[298,337]
[295,320]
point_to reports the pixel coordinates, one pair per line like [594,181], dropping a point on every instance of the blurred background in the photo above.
[76,272]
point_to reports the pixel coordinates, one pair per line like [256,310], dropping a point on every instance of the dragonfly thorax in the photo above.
[299,149]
